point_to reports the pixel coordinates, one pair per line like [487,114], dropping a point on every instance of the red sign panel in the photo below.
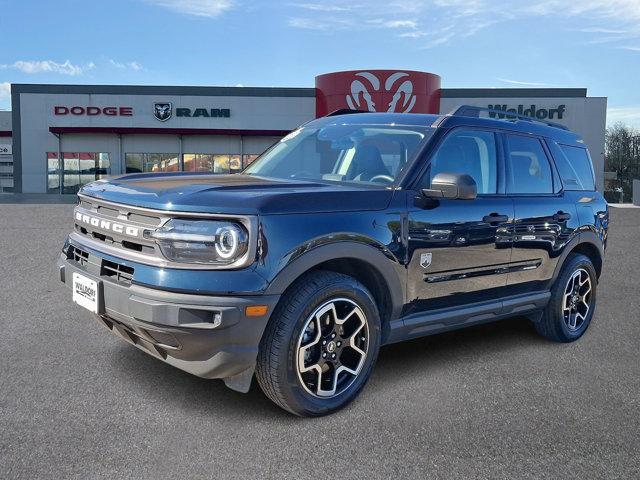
[400,91]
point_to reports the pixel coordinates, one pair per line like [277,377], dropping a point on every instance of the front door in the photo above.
[459,250]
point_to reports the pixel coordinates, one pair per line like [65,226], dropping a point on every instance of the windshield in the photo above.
[370,154]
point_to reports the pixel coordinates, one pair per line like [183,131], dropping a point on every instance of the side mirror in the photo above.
[454,186]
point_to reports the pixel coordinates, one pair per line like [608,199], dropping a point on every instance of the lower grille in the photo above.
[107,269]
[121,273]
[78,256]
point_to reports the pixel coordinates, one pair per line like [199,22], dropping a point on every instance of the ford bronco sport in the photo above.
[354,231]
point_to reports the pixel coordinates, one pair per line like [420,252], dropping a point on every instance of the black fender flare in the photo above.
[388,268]
[587,236]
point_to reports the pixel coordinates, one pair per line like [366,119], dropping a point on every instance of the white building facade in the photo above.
[59,137]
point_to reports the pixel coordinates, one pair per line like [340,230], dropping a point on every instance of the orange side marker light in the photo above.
[256,310]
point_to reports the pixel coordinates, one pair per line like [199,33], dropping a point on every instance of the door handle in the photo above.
[561,217]
[495,218]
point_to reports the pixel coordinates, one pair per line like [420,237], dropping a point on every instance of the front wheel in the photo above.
[320,345]
[572,303]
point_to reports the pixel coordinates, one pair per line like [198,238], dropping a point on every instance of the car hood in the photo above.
[236,194]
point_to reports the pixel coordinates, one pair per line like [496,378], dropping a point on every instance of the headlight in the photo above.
[201,241]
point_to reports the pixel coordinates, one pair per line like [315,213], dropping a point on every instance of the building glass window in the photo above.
[198,162]
[248,159]
[151,162]
[213,163]
[53,173]
[193,162]
[221,164]
[78,169]
[235,165]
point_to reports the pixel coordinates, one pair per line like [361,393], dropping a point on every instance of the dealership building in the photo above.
[58,137]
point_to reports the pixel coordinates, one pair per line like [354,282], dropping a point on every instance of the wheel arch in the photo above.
[588,244]
[378,272]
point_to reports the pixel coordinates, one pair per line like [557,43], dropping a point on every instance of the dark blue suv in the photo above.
[354,231]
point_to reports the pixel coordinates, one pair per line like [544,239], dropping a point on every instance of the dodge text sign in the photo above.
[93,111]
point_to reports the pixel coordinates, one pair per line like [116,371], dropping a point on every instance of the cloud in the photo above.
[400,24]
[601,9]
[5,89]
[527,84]
[49,66]
[320,24]
[629,47]
[199,8]
[318,7]
[607,22]
[135,66]
[629,115]
[602,30]
[414,34]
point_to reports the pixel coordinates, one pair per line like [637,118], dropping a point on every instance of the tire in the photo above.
[558,323]
[290,367]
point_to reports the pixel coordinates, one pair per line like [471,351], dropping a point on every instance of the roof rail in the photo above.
[344,111]
[473,111]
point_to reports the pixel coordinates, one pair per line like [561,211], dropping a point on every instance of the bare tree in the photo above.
[622,155]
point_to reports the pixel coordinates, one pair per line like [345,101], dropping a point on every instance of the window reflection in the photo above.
[212,162]
[249,158]
[198,162]
[78,169]
[151,162]
[53,173]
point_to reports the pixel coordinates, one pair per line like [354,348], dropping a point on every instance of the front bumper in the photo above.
[207,336]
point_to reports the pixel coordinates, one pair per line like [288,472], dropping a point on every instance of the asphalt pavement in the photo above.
[493,401]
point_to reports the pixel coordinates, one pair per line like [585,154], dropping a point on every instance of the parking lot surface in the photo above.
[493,401]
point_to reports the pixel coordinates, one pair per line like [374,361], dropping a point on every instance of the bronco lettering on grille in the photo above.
[107,225]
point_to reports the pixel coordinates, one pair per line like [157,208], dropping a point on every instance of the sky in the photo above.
[469,43]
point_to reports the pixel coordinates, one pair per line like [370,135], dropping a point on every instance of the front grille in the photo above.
[120,273]
[113,212]
[123,231]
[97,221]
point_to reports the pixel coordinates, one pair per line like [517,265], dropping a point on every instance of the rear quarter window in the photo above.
[574,166]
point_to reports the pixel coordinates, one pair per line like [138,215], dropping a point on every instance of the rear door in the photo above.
[545,217]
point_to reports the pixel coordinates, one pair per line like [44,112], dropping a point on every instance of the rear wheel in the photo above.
[573,301]
[320,345]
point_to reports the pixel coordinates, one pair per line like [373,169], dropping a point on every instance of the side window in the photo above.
[467,151]
[528,168]
[575,168]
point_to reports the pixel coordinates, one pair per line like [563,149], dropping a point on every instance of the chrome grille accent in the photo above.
[105,217]
[96,231]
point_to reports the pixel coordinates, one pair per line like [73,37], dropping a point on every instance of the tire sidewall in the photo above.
[301,400]
[575,263]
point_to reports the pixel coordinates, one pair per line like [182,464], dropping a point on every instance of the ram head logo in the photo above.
[162,111]
[360,98]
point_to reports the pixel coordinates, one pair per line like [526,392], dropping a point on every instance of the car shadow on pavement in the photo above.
[426,355]
[175,388]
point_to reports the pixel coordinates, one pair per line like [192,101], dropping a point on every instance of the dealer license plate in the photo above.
[85,292]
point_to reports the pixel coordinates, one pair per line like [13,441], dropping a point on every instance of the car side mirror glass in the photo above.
[454,186]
